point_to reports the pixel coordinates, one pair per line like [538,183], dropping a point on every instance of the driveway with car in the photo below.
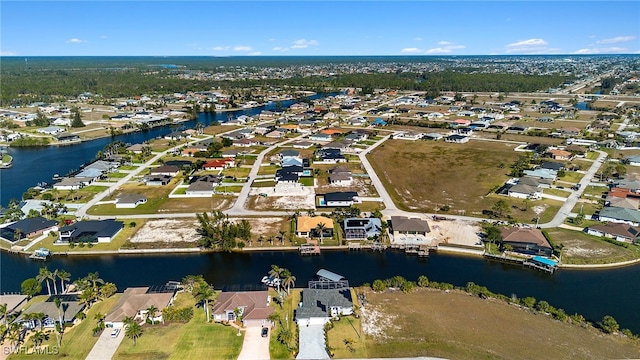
[255,346]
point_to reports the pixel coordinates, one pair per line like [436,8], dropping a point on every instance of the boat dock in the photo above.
[40,254]
[309,249]
[536,262]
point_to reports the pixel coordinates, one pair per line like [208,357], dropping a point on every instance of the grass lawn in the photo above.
[460,175]
[189,205]
[268,170]
[592,155]
[229,188]
[93,189]
[193,340]
[581,248]
[595,191]
[306,181]
[455,325]
[237,172]
[268,183]
[115,244]
[127,167]
[346,337]
[557,192]
[278,350]
[77,341]
[572,177]
[586,208]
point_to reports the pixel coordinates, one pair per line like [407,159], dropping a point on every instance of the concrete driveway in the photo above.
[106,345]
[254,345]
[312,342]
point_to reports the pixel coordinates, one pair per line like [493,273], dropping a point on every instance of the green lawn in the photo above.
[180,191]
[278,350]
[595,191]
[76,341]
[193,340]
[127,167]
[94,188]
[229,188]
[557,192]
[586,208]
[268,170]
[306,181]
[269,183]
[116,175]
[572,177]
[592,155]
[346,337]
[237,172]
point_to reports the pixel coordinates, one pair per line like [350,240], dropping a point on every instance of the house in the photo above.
[620,232]
[379,122]
[136,148]
[72,183]
[433,136]
[330,156]
[319,306]
[90,231]
[536,182]
[622,202]
[458,139]
[516,129]
[252,306]
[130,201]
[320,137]
[202,186]
[361,229]
[408,135]
[307,226]
[165,170]
[551,165]
[134,303]
[526,241]
[289,174]
[340,176]
[541,173]
[51,130]
[460,122]
[64,137]
[275,134]
[302,144]
[338,199]
[156,180]
[27,228]
[69,310]
[558,154]
[245,142]
[619,215]
[523,191]
[218,164]
[402,226]
[633,160]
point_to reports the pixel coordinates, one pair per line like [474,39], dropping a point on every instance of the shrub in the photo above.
[423,281]
[396,281]
[379,285]
[407,286]
[609,324]
[529,302]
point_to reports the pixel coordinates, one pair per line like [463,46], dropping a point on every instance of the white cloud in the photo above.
[615,40]
[242,48]
[444,43]
[411,50]
[272,39]
[438,50]
[76,41]
[7,53]
[529,46]
[609,50]
[256,53]
[303,43]
[417,39]
[104,37]
[221,48]
[446,48]
[529,42]
[279,48]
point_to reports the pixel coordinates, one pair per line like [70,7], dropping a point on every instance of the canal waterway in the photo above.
[32,166]
[592,293]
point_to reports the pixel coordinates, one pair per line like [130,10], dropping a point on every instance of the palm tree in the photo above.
[59,327]
[94,279]
[54,277]
[3,313]
[87,296]
[202,292]
[107,290]
[44,275]
[63,275]
[276,272]
[133,332]
[282,233]
[320,227]
[151,313]
[39,337]
[128,320]
[288,280]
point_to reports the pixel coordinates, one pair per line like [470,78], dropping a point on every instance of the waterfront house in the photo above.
[69,310]
[361,229]
[252,306]
[134,303]
[27,228]
[319,306]
[620,232]
[526,241]
[405,227]
[307,226]
[72,183]
[90,231]
[130,201]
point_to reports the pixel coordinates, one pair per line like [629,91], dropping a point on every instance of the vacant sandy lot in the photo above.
[455,232]
[167,230]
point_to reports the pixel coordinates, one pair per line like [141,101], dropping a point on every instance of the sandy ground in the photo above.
[376,323]
[302,197]
[166,230]
[265,226]
[455,232]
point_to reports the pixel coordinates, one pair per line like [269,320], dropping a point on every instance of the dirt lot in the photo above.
[167,230]
[456,325]
[455,232]
[581,248]
[424,175]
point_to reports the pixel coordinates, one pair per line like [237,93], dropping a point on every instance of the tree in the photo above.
[423,281]
[45,275]
[54,277]
[202,292]
[3,313]
[609,325]
[38,337]
[276,272]
[76,118]
[107,290]
[63,275]
[94,279]
[320,228]
[59,325]
[189,281]
[133,332]
[288,279]
[151,313]
[528,301]
[543,306]
[31,287]
[378,285]
[501,208]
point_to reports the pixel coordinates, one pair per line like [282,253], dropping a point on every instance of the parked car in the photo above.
[115,332]
[265,331]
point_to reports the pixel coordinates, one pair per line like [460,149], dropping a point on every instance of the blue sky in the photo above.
[225,28]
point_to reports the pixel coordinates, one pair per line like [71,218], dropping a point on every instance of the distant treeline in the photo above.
[21,87]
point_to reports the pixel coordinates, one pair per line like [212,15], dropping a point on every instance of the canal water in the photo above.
[594,294]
